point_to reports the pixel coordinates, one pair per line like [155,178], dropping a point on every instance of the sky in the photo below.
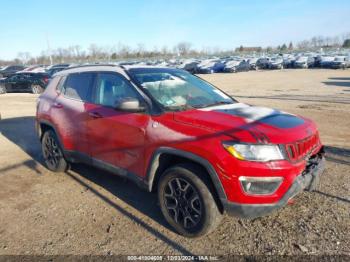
[26,25]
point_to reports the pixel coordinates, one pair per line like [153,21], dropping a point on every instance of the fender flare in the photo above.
[154,164]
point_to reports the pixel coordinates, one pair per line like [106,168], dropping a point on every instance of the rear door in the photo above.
[24,82]
[115,137]
[69,111]
[14,83]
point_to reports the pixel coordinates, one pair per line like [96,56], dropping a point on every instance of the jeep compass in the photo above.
[201,151]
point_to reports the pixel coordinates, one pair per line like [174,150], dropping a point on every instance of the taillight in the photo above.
[46,79]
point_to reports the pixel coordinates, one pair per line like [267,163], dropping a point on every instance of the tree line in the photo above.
[77,54]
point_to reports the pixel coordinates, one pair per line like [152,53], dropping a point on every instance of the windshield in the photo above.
[277,59]
[340,58]
[302,59]
[178,90]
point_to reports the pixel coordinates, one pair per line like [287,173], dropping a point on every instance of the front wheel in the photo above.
[3,89]
[187,202]
[52,152]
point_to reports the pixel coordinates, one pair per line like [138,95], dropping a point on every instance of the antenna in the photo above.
[48,48]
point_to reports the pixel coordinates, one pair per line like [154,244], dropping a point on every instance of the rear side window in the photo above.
[78,86]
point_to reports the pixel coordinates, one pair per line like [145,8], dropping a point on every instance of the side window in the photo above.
[78,86]
[25,76]
[13,78]
[111,88]
[60,85]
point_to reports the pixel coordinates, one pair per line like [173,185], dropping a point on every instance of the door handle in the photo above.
[95,115]
[57,105]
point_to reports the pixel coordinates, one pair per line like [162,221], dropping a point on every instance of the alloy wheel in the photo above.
[36,89]
[52,153]
[183,203]
[2,89]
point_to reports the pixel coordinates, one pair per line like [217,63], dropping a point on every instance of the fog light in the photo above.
[260,185]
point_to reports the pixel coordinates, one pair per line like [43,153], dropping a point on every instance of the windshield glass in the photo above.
[178,90]
[339,58]
[302,59]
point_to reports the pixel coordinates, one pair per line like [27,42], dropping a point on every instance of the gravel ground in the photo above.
[87,211]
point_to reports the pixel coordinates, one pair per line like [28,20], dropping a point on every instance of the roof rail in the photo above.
[78,66]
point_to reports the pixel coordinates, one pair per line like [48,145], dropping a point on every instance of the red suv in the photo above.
[171,132]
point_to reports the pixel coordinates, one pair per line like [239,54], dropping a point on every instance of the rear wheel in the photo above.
[187,202]
[36,89]
[52,152]
[3,89]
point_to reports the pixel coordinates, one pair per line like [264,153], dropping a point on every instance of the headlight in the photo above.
[253,152]
[260,185]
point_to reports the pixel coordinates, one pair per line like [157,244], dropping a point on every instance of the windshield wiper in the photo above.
[217,103]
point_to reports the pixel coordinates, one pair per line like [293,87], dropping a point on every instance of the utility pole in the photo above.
[48,48]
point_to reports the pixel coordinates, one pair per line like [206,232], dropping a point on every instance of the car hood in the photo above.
[276,62]
[251,124]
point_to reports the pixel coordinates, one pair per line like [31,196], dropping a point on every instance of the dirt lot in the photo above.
[87,211]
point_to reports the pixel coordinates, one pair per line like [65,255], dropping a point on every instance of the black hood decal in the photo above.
[264,115]
[282,121]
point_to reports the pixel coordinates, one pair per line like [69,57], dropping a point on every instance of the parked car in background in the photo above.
[35,68]
[9,70]
[233,66]
[276,63]
[263,63]
[340,62]
[54,70]
[190,65]
[252,63]
[326,61]
[304,62]
[288,62]
[24,82]
[318,59]
[59,65]
[210,66]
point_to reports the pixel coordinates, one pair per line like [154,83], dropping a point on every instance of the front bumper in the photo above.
[229,70]
[276,66]
[338,65]
[308,180]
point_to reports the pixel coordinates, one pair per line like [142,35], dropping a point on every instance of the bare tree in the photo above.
[140,50]
[94,51]
[183,48]
[24,57]
[165,51]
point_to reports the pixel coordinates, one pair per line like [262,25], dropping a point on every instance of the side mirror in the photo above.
[130,105]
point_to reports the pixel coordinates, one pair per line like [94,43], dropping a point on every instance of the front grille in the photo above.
[301,149]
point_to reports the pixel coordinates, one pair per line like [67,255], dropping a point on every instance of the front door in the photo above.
[116,138]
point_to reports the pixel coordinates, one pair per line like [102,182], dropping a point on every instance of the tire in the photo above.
[187,202]
[52,153]
[3,89]
[36,89]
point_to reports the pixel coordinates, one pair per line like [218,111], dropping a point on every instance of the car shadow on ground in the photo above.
[129,193]
[122,188]
[339,78]
[301,98]
[337,83]
[338,155]
[21,131]
[341,81]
